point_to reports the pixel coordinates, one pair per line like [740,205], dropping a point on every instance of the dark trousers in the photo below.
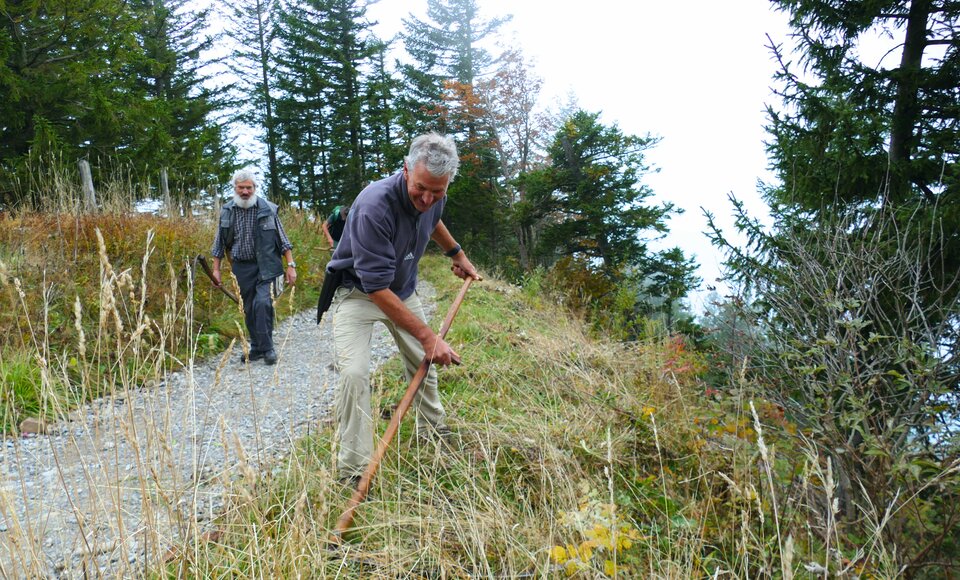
[257,305]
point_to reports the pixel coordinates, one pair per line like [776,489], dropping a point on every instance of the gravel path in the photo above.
[130,476]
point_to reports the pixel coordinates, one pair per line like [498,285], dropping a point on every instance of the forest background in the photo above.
[843,307]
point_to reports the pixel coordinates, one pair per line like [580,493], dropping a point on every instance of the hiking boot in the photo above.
[387,412]
[441,435]
[351,481]
[270,357]
[251,356]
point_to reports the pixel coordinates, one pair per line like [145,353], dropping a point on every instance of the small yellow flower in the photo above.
[648,410]
[586,551]
[558,554]
[609,568]
[599,533]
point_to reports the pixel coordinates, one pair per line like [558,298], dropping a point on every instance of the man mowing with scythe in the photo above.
[374,270]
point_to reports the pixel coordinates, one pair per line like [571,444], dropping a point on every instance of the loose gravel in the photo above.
[127,478]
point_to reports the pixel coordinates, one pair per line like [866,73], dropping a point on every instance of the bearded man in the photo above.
[251,232]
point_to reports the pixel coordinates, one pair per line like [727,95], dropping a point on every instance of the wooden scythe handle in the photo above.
[206,269]
[346,518]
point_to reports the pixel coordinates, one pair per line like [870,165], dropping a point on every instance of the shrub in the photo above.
[857,340]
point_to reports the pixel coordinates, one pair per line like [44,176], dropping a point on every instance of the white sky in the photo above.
[696,73]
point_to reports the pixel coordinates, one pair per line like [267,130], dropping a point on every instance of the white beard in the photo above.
[244,203]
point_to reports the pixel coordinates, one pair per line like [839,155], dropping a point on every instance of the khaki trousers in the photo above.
[354,316]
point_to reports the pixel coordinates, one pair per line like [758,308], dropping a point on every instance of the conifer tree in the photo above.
[445,48]
[593,197]
[302,109]
[851,132]
[62,88]
[597,221]
[252,29]
[668,277]
[441,94]
[325,48]
[381,114]
[346,54]
[183,133]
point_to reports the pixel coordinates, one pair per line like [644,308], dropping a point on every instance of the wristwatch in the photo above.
[292,265]
[453,251]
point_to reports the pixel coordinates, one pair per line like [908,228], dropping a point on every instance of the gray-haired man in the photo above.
[387,231]
[251,231]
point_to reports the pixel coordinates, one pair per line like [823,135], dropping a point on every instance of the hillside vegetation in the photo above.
[577,452]
[574,456]
[806,426]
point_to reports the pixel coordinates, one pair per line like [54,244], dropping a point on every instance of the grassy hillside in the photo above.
[576,457]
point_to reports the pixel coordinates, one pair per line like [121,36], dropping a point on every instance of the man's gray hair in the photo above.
[437,152]
[244,175]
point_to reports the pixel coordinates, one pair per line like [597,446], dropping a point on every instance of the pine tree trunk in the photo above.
[165,193]
[905,109]
[269,123]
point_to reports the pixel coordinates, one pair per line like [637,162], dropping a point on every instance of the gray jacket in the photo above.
[267,242]
[384,238]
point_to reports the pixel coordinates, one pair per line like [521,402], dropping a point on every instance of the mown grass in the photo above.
[575,457]
[66,301]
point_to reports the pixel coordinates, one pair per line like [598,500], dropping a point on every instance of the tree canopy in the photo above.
[308,86]
[120,84]
[850,132]
[592,194]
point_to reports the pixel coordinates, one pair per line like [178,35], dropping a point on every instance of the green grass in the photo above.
[21,382]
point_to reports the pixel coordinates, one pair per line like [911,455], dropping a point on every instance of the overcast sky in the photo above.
[695,73]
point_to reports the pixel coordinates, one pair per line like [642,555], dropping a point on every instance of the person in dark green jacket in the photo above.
[333,226]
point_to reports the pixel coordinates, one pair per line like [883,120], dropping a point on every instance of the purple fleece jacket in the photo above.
[384,238]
